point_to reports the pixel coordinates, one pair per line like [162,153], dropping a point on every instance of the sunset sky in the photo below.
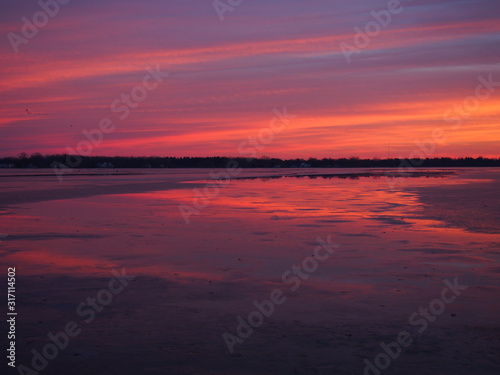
[227,75]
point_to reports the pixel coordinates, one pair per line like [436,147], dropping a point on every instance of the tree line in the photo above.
[38,160]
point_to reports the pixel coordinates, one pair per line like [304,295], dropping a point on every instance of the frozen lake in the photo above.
[202,251]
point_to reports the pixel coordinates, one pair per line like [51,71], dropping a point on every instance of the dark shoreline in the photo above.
[63,161]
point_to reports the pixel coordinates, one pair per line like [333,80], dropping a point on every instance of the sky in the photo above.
[357,78]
